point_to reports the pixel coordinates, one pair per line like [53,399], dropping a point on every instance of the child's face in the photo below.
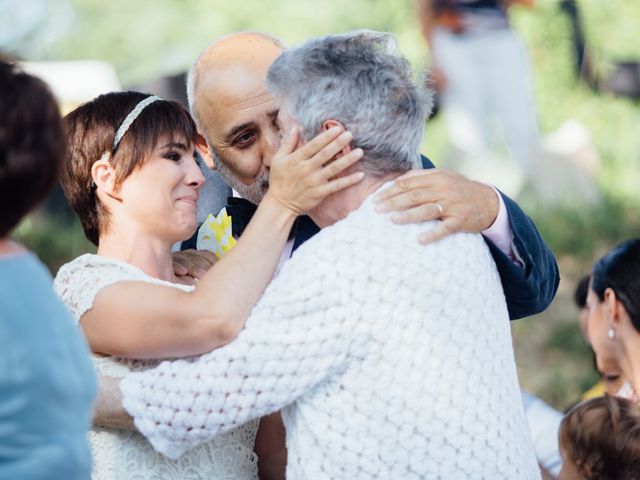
[569,470]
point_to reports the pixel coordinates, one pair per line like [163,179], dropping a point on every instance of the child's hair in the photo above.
[601,437]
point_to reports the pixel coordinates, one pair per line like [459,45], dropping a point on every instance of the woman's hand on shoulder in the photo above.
[301,178]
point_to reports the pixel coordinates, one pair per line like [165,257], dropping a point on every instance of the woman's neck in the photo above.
[338,205]
[149,254]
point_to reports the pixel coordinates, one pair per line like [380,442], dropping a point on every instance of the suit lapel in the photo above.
[304,230]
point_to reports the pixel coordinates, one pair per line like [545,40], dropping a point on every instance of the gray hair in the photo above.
[359,79]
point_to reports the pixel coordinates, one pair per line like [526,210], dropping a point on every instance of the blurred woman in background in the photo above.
[614,314]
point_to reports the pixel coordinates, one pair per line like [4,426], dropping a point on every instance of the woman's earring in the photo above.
[611,333]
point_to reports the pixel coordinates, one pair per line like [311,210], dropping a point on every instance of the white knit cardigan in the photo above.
[389,359]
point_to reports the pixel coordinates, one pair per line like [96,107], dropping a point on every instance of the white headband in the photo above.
[126,123]
[124,126]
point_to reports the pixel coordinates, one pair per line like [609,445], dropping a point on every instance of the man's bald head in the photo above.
[234,111]
[249,52]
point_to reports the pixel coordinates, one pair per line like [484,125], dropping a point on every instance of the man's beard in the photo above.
[254,192]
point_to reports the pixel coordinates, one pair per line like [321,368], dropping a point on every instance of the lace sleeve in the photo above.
[79,281]
[295,338]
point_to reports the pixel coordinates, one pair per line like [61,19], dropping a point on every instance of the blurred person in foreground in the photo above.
[600,440]
[132,178]
[374,377]
[47,384]
[613,325]
[482,71]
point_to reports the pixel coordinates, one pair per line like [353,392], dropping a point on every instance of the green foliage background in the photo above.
[146,38]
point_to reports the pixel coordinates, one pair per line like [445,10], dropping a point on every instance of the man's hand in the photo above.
[420,195]
[190,265]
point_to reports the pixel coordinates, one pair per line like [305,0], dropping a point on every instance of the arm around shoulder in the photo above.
[275,360]
[529,288]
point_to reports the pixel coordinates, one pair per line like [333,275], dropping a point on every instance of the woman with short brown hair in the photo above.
[132,178]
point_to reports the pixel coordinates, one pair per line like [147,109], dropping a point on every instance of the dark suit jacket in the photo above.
[528,289]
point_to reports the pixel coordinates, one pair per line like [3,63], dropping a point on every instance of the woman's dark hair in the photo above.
[620,270]
[31,144]
[601,437]
[90,130]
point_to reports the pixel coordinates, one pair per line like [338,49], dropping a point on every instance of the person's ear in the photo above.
[327,124]
[614,310]
[205,152]
[104,177]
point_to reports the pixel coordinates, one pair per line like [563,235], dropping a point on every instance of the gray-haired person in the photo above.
[375,377]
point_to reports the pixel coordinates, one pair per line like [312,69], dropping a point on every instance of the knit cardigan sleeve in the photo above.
[295,337]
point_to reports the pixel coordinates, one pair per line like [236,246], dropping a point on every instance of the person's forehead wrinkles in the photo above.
[252,116]
[259,102]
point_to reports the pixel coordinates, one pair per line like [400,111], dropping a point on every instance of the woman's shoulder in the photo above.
[91,268]
[78,282]
[93,265]
[94,262]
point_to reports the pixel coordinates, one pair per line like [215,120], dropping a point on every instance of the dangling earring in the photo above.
[611,333]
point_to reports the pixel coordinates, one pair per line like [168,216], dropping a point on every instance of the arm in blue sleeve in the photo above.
[530,288]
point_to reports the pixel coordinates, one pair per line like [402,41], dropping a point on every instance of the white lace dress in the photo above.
[118,454]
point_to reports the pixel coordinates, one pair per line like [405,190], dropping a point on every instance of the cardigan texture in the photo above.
[375,377]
